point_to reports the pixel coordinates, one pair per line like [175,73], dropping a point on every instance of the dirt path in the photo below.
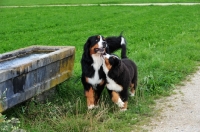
[133,4]
[181,111]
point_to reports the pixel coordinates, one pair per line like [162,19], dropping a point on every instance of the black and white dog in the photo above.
[120,75]
[93,77]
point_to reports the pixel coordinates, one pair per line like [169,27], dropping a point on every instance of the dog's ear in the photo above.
[117,62]
[86,53]
[116,67]
[86,46]
[111,60]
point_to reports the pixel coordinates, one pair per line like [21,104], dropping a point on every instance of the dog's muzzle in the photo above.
[101,50]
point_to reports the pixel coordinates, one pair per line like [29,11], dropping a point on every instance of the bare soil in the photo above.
[181,111]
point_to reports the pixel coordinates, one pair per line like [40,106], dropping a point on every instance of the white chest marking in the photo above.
[111,85]
[96,65]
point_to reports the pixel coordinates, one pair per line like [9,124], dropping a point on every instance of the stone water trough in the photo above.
[28,72]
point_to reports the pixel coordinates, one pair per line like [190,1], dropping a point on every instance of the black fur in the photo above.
[112,44]
[124,73]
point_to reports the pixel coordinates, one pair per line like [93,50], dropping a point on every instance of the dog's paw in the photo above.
[132,94]
[90,107]
[123,109]
[120,103]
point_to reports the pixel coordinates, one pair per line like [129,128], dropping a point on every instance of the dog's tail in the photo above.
[123,52]
[123,46]
[121,34]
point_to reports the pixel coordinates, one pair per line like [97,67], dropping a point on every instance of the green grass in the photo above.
[163,41]
[51,2]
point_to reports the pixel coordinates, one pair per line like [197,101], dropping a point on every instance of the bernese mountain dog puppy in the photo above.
[120,75]
[93,77]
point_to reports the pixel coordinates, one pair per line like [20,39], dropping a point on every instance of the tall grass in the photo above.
[163,41]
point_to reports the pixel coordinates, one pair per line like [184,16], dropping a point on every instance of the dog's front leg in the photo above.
[117,100]
[90,98]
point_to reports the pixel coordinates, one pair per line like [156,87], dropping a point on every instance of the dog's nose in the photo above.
[104,44]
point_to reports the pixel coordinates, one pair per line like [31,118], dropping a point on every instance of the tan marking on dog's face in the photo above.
[115,96]
[97,45]
[90,96]
[92,49]
[107,63]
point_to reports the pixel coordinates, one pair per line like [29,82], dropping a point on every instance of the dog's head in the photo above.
[95,45]
[112,65]
[111,61]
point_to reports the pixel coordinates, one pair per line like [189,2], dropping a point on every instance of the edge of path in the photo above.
[134,4]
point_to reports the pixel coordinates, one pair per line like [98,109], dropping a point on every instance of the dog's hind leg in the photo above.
[133,85]
[132,89]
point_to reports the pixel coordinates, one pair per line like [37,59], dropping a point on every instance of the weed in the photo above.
[7,125]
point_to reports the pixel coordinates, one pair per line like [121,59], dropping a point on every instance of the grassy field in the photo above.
[163,41]
[51,2]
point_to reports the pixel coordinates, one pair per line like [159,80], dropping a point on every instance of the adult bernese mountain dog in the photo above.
[120,75]
[93,77]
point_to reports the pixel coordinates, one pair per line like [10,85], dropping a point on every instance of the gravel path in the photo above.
[134,4]
[181,111]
